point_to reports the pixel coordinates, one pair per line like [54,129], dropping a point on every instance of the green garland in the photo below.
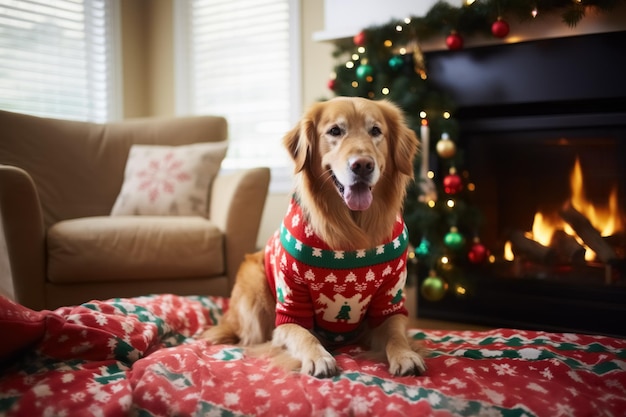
[476,18]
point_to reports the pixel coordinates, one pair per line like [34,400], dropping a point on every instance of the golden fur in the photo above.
[337,143]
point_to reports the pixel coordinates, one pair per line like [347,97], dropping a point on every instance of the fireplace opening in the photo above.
[543,133]
[555,200]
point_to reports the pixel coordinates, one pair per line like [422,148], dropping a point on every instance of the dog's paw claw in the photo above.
[323,367]
[410,363]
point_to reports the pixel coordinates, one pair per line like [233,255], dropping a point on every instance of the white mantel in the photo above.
[346,18]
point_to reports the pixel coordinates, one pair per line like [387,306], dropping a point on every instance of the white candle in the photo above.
[425,136]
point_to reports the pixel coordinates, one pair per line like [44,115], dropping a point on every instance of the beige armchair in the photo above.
[59,245]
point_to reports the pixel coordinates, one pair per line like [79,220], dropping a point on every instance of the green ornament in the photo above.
[434,288]
[396,62]
[364,71]
[454,240]
[423,249]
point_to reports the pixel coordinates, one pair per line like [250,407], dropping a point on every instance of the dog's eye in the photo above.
[375,131]
[334,131]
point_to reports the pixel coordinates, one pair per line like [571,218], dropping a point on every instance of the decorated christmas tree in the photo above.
[386,62]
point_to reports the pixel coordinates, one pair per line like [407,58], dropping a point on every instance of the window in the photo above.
[239,59]
[58,58]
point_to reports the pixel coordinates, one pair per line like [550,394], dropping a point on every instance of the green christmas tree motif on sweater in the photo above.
[397,298]
[344,312]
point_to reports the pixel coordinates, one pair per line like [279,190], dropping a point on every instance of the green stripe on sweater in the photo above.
[322,258]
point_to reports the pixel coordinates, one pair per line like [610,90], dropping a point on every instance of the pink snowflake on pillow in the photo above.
[162,175]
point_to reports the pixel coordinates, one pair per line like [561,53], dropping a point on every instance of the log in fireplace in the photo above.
[543,130]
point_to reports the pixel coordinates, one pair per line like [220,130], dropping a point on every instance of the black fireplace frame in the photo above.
[577,81]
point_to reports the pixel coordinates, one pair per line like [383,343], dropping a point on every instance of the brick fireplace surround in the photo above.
[524,110]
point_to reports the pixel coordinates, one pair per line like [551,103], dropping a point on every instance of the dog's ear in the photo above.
[405,148]
[300,141]
[402,139]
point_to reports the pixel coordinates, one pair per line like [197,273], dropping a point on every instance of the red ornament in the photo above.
[359,39]
[500,28]
[454,41]
[478,252]
[452,184]
[332,83]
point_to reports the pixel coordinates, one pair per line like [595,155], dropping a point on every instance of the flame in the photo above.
[606,219]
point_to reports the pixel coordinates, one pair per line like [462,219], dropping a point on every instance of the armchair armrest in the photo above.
[236,207]
[22,228]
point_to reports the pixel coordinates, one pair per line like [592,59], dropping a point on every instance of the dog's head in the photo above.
[353,144]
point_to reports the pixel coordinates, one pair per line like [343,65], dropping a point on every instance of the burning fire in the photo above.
[605,219]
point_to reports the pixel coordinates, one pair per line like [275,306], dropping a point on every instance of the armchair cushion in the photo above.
[169,180]
[122,248]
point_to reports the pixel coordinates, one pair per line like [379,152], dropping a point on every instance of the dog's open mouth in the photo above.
[357,196]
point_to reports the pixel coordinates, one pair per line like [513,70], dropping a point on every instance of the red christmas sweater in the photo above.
[334,292]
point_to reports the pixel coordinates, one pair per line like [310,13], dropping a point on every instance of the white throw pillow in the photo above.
[169,180]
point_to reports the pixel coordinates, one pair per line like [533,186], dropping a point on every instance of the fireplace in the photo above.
[543,131]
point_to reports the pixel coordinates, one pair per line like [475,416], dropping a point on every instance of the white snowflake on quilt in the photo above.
[494,396]
[457,383]
[575,376]
[533,386]
[547,374]
[504,369]
[231,398]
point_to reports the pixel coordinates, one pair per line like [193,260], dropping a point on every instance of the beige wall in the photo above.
[148,58]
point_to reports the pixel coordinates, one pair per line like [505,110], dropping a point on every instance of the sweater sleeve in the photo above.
[293,299]
[295,307]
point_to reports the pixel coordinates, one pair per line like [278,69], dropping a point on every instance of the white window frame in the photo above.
[113,89]
[282,174]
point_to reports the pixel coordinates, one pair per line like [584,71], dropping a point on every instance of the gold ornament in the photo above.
[446,147]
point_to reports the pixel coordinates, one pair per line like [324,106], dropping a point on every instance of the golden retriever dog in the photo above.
[334,272]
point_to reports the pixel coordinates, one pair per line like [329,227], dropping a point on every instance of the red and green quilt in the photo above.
[139,357]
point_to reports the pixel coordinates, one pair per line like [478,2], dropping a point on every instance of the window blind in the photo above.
[241,65]
[58,58]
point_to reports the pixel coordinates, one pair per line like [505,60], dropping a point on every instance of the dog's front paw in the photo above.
[321,366]
[407,362]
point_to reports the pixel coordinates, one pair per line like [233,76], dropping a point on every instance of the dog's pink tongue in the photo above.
[358,197]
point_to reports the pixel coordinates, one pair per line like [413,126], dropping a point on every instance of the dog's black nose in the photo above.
[362,165]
